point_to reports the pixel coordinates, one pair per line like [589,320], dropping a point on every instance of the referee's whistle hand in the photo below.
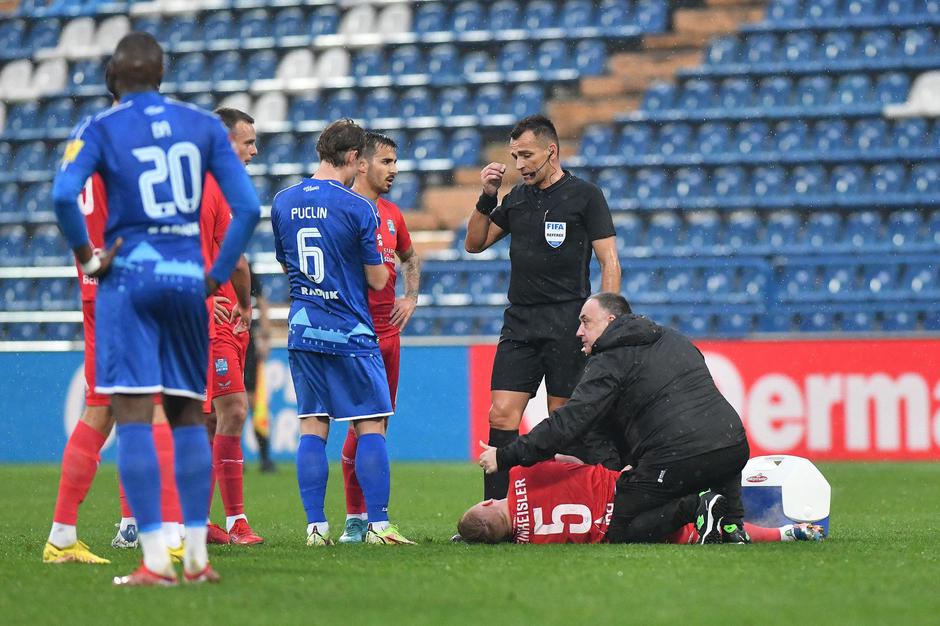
[488,458]
[492,177]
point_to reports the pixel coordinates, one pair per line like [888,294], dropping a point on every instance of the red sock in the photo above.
[79,465]
[227,459]
[760,534]
[355,503]
[125,506]
[170,509]
[684,535]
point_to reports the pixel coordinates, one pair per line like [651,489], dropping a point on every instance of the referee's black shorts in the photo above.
[539,341]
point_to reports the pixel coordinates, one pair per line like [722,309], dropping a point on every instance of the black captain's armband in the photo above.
[486,204]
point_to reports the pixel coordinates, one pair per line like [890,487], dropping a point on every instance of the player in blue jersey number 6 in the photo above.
[324,237]
[153,154]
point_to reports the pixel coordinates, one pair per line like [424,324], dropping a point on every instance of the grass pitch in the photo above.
[880,565]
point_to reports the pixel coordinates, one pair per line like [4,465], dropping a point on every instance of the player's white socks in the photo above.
[195,555]
[363,516]
[321,527]
[156,555]
[62,535]
[786,533]
[128,521]
[171,535]
[380,526]
[230,521]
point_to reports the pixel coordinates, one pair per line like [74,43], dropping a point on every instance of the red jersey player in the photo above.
[555,502]
[229,319]
[81,456]
[377,170]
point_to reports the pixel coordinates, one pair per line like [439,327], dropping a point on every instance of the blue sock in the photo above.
[192,459]
[140,473]
[313,471]
[372,472]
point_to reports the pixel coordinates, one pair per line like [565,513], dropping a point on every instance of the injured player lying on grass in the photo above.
[555,502]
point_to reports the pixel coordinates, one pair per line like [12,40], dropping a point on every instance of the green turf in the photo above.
[880,565]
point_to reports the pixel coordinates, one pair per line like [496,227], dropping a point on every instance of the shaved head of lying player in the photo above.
[486,522]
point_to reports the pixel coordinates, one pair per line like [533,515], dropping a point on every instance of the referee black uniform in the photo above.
[550,251]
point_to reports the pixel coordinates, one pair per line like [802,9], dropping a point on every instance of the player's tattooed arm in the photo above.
[241,282]
[405,306]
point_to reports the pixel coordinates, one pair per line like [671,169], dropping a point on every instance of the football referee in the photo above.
[556,220]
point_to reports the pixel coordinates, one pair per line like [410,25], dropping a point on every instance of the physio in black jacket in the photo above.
[648,387]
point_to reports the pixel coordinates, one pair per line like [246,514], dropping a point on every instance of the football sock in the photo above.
[784,533]
[355,504]
[231,519]
[127,521]
[760,534]
[79,465]
[322,527]
[63,535]
[171,535]
[169,498]
[156,555]
[496,485]
[193,464]
[373,472]
[195,553]
[228,463]
[140,474]
[313,471]
[361,516]
[126,512]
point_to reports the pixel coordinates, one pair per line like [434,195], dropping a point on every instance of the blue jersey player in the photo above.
[325,238]
[151,333]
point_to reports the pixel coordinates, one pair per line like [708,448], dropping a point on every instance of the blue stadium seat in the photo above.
[526,99]
[86,73]
[11,34]
[342,103]
[219,26]
[870,134]
[880,280]
[742,230]
[405,192]
[730,181]
[43,34]
[896,8]
[629,228]
[751,137]
[9,197]
[305,109]
[933,228]
[477,62]
[840,281]
[659,97]
[898,321]
[768,182]
[429,144]
[925,179]
[636,283]
[635,139]
[674,138]
[690,182]
[837,45]
[228,66]
[262,186]
[539,15]
[813,91]
[489,100]
[799,47]
[504,15]
[58,294]
[696,94]
[13,241]
[289,22]
[323,21]
[858,321]
[22,332]
[469,16]
[734,324]
[664,230]
[861,8]
[381,103]
[852,89]
[821,9]
[61,331]
[823,229]
[614,182]
[723,50]
[590,57]
[760,48]
[192,67]
[783,229]
[516,56]
[892,88]
[31,157]
[552,56]
[718,281]
[577,14]
[808,181]
[92,106]
[416,102]
[651,182]
[48,247]
[260,65]
[278,149]
[369,62]
[830,135]
[713,138]
[790,136]
[152,24]
[614,14]
[406,60]
[430,18]
[916,43]
[876,44]
[910,134]
[863,229]
[703,231]
[254,24]
[848,180]
[22,117]
[455,101]
[735,93]
[261,242]
[921,280]
[679,281]
[465,148]
[775,91]
[784,10]
[443,62]
[597,140]
[903,229]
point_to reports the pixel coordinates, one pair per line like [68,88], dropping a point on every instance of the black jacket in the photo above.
[648,387]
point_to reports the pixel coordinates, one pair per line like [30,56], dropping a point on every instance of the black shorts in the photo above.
[251,365]
[539,341]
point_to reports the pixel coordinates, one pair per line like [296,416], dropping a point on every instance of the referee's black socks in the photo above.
[496,486]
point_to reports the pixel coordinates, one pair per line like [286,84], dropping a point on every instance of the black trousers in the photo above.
[654,500]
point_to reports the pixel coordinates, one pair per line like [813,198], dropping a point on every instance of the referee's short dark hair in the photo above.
[339,138]
[540,126]
[613,303]
[373,141]
[231,117]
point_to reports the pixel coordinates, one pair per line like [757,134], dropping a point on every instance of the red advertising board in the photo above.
[821,399]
